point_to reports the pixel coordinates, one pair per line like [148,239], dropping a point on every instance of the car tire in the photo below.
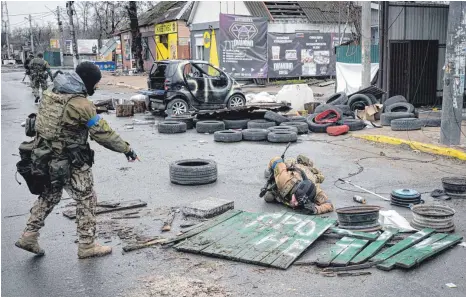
[236,100]
[373,99]
[297,119]
[171,127]
[317,128]
[337,98]
[236,124]
[359,101]
[177,107]
[260,124]
[431,122]
[275,117]
[406,124]
[209,126]
[282,136]
[303,128]
[193,172]
[346,110]
[182,118]
[324,107]
[283,128]
[354,124]
[393,100]
[228,136]
[255,134]
[400,107]
[386,118]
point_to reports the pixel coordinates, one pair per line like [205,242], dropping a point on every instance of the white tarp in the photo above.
[349,76]
[87,46]
[297,95]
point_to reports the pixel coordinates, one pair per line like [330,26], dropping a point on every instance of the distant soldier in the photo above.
[39,69]
[28,70]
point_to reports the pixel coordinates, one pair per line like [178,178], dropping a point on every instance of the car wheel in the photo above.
[177,107]
[236,101]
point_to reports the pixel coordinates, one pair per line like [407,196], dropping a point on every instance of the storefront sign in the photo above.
[54,43]
[243,46]
[166,28]
[206,39]
[301,54]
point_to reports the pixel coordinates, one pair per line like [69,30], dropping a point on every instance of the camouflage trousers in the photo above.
[38,82]
[80,188]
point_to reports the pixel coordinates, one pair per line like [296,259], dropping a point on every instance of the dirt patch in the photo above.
[179,286]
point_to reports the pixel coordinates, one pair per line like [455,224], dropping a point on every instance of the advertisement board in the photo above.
[54,43]
[243,46]
[301,54]
[87,46]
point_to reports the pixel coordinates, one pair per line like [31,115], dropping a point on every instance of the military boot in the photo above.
[92,250]
[29,242]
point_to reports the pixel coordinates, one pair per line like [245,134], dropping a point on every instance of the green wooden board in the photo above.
[428,251]
[374,247]
[355,234]
[211,223]
[325,258]
[390,263]
[271,239]
[402,245]
[347,254]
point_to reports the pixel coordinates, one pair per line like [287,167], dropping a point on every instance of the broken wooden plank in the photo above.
[208,208]
[206,225]
[345,256]
[391,262]
[355,234]
[374,247]
[167,223]
[353,273]
[71,213]
[402,245]
[208,237]
[138,246]
[326,258]
[427,252]
[351,267]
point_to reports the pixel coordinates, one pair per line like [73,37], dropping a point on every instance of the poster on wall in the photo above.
[301,54]
[87,46]
[243,46]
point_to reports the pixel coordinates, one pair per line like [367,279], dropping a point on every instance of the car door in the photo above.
[213,83]
[195,83]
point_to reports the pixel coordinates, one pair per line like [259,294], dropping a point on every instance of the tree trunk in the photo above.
[136,44]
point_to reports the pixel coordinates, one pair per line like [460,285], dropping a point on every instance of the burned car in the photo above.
[178,86]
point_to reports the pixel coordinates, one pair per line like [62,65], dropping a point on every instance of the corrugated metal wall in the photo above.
[421,23]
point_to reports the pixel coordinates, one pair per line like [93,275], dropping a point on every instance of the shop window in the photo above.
[200,52]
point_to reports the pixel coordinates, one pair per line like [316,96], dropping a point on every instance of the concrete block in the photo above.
[207,208]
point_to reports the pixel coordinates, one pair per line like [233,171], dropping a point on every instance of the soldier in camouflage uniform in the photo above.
[39,69]
[65,119]
[298,185]
[28,70]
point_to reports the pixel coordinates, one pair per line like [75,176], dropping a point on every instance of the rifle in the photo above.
[25,74]
[270,184]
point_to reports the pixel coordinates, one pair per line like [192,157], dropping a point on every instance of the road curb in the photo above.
[423,147]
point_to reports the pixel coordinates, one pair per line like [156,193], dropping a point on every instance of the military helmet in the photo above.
[305,192]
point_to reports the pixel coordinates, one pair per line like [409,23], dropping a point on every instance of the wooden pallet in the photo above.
[269,239]
[124,205]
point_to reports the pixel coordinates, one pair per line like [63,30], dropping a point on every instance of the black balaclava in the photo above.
[90,74]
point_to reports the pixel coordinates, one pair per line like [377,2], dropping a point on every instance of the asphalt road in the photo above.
[241,167]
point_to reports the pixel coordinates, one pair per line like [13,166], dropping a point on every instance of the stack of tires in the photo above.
[400,115]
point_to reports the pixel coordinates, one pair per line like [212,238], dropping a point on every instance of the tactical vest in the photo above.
[49,121]
[37,66]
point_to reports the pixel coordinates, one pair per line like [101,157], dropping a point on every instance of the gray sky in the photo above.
[17,10]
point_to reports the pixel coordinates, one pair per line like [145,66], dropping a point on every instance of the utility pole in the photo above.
[30,31]
[366,44]
[69,7]
[6,26]
[60,31]
[453,79]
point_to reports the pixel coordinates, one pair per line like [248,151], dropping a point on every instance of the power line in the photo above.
[20,14]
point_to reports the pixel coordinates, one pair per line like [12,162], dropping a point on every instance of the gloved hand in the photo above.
[131,155]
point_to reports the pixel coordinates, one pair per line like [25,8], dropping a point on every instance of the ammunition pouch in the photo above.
[36,183]
[80,155]
[59,171]
[30,127]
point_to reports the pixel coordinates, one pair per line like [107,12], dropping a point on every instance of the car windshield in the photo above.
[208,70]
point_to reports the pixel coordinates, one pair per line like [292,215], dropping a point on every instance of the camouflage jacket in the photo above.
[39,68]
[67,117]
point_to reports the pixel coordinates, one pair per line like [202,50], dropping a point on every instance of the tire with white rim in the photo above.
[177,107]
[236,100]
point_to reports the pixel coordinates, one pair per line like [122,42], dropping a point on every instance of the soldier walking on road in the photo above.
[61,154]
[39,69]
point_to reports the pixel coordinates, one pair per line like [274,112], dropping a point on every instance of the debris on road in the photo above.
[451,285]
[141,245]
[340,274]
[405,197]
[359,218]
[391,218]
[355,234]
[167,223]
[437,217]
[71,213]
[359,199]
[208,208]
[455,187]
[193,172]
